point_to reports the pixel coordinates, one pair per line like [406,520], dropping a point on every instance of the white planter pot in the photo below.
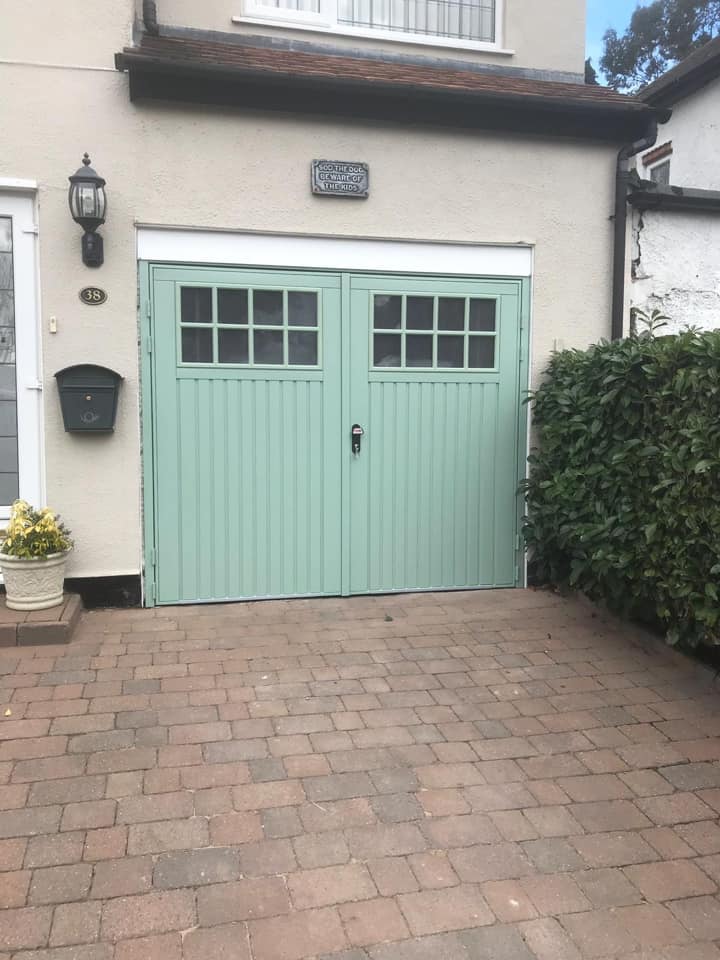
[34,584]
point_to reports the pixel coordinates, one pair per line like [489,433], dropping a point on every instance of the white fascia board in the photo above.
[173,245]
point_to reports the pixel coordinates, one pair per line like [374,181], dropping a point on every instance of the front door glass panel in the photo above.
[8,379]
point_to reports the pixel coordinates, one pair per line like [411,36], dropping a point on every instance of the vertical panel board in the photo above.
[361,553]
[184,515]
[435,484]
[329,446]
[484,441]
[235,529]
[506,441]
[204,508]
[473,490]
[246,491]
[171,419]
[247,462]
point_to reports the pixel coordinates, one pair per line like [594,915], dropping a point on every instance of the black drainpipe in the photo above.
[150,17]
[619,246]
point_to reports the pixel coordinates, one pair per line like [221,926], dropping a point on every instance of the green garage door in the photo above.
[260,482]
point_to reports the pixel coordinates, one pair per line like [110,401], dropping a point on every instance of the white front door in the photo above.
[20,385]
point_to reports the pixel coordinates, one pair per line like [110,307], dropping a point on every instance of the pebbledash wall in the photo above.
[675,262]
[239,170]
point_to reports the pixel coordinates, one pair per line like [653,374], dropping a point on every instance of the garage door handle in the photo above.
[356,434]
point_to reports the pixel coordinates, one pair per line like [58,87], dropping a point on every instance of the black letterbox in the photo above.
[88,397]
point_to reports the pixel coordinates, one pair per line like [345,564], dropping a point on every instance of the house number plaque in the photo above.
[93,296]
[340,178]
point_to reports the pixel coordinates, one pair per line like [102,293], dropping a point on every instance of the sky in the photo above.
[602,14]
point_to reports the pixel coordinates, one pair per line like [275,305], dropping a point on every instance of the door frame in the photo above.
[157,247]
[18,200]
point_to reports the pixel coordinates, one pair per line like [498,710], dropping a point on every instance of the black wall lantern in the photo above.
[87,206]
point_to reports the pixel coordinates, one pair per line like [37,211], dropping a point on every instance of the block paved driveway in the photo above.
[474,776]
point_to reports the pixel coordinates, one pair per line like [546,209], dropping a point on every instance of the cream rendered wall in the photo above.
[46,31]
[239,170]
[543,34]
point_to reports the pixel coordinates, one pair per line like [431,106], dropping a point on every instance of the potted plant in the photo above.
[33,556]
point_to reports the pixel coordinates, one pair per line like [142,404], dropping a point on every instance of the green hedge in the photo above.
[623,499]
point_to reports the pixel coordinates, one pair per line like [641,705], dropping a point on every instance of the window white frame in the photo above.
[325,20]
[17,200]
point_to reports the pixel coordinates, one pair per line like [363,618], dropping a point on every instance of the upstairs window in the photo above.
[660,173]
[465,23]
[657,163]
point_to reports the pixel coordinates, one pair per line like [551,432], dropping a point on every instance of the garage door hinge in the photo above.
[149,344]
[517,541]
[517,574]
[152,557]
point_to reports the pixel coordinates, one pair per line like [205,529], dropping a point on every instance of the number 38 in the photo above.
[93,295]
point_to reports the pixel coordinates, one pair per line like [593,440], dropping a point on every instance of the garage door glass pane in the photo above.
[418,351]
[450,351]
[302,349]
[268,308]
[197,345]
[452,323]
[233,346]
[268,345]
[388,312]
[302,309]
[482,352]
[246,326]
[387,350]
[232,306]
[419,313]
[196,305]
[451,313]
[482,315]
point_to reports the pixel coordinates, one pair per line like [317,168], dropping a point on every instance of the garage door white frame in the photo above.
[171,245]
[181,245]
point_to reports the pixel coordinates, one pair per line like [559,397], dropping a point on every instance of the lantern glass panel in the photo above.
[87,202]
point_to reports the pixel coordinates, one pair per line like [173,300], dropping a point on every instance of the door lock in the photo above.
[356,434]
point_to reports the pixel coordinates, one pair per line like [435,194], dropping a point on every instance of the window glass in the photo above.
[482,314]
[196,305]
[302,308]
[302,348]
[268,346]
[419,313]
[482,353]
[233,346]
[450,352]
[418,351]
[265,325]
[387,312]
[8,386]
[387,350]
[267,307]
[232,306]
[197,345]
[660,173]
[434,332]
[451,313]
